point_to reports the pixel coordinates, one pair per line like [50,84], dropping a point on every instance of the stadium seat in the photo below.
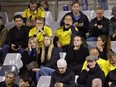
[10,25]
[18,13]
[44,81]
[48,18]
[62,55]
[7,68]
[113,43]
[91,44]
[107,14]
[90,14]
[4,17]
[61,15]
[13,59]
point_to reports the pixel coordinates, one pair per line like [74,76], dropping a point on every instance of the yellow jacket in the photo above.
[40,36]
[64,36]
[101,62]
[31,15]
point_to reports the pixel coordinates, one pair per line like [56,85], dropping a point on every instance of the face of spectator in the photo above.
[18,22]
[62,69]
[9,79]
[94,52]
[39,23]
[1,21]
[77,41]
[91,63]
[112,60]
[33,6]
[76,8]
[47,41]
[68,20]
[99,14]
[23,83]
[99,41]
[33,43]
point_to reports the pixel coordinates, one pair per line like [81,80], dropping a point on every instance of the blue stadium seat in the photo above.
[4,17]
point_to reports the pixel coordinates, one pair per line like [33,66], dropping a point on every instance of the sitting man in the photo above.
[9,80]
[64,77]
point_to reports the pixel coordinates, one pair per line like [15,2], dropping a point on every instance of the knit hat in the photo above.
[91,57]
[61,63]
[114,10]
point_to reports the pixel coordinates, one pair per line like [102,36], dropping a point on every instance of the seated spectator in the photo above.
[111,79]
[98,26]
[3,36]
[17,37]
[76,55]
[79,19]
[112,30]
[103,4]
[101,62]
[9,80]
[63,77]
[103,45]
[33,10]
[45,5]
[48,57]
[111,62]
[63,34]
[96,82]
[24,81]
[91,72]
[40,30]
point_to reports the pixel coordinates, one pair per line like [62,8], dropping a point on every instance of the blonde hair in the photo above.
[49,50]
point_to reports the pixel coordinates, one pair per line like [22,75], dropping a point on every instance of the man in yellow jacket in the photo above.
[40,30]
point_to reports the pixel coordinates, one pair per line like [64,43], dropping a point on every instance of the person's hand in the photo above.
[59,45]
[109,83]
[59,84]
[99,47]
[36,69]
[13,47]
[76,24]
[29,46]
[100,26]
[113,35]
[87,68]
[81,24]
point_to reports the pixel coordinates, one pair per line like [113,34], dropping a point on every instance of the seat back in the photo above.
[44,81]
[10,25]
[13,59]
[91,44]
[4,17]
[107,14]
[18,13]
[7,68]
[48,18]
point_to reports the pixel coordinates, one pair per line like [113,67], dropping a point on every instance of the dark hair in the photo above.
[39,18]
[99,8]
[32,1]
[25,78]
[110,54]
[75,2]
[17,16]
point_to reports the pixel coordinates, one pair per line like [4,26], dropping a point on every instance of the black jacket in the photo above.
[3,84]
[76,58]
[94,31]
[83,18]
[86,78]
[68,78]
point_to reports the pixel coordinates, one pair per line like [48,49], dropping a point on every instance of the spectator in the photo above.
[59,77]
[103,45]
[76,55]
[103,4]
[91,72]
[24,81]
[97,82]
[63,34]
[101,62]
[45,5]
[9,80]
[112,31]
[48,57]
[40,30]
[3,36]
[80,20]
[33,10]
[17,37]
[84,4]
[98,26]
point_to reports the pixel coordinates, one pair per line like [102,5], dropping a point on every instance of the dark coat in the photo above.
[3,84]
[94,31]
[83,18]
[76,58]
[68,78]
[86,78]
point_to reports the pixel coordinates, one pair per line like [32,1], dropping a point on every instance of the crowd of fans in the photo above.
[41,53]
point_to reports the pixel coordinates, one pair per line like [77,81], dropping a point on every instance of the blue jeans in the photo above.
[44,71]
[103,4]
[91,39]
[84,5]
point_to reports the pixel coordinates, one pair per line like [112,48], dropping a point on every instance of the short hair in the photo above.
[75,2]
[11,73]
[39,18]
[110,54]
[99,8]
[97,82]
[32,1]
[25,78]
[17,16]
